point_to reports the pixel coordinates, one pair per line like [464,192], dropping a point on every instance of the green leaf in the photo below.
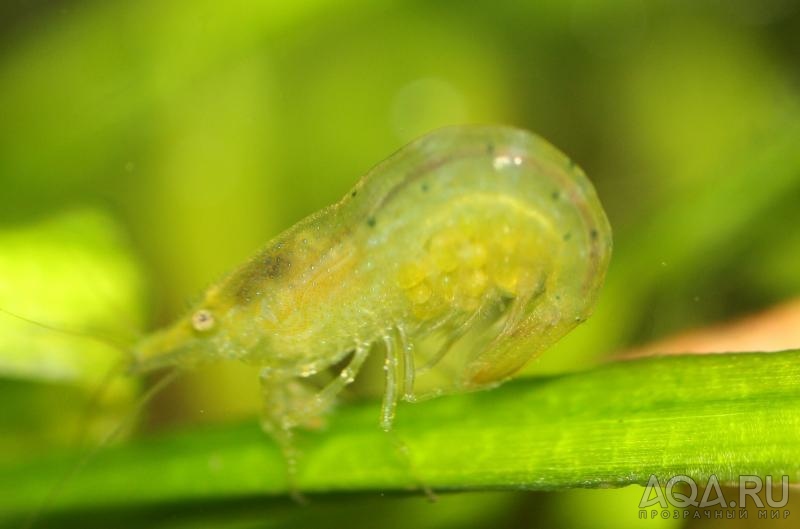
[614,425]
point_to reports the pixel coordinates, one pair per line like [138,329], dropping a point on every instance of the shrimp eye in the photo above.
[202,320]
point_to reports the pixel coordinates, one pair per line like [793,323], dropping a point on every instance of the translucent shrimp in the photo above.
[462,256]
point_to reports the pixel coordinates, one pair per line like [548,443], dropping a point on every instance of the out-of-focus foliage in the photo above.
[79,287]
[200,129]
[75,281]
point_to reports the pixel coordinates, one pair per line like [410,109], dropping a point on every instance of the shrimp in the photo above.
[460,257]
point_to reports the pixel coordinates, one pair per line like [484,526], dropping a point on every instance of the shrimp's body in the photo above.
[462,256]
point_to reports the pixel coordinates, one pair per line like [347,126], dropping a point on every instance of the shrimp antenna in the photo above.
[105,340]
[113,372]
[148,396]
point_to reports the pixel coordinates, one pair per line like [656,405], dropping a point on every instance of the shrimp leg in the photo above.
[392,391]
[289,403]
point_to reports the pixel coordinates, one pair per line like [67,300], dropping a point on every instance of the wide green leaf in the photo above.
[614,425]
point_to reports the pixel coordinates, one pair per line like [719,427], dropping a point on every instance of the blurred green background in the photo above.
[146,148]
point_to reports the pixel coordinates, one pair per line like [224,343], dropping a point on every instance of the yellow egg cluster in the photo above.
[461,264]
